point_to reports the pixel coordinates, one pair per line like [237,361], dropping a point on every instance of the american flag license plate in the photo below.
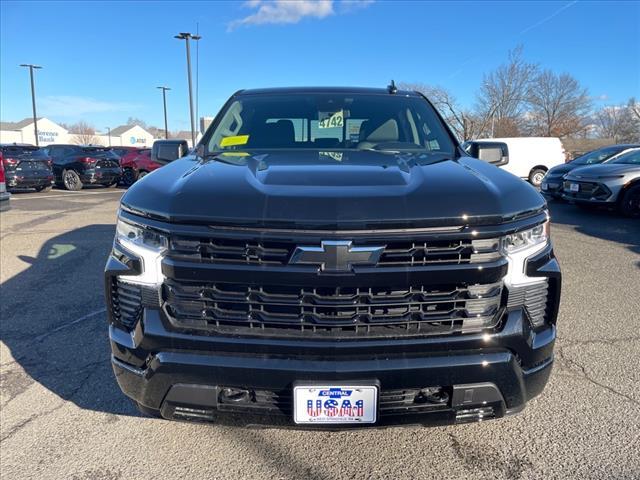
[328,404]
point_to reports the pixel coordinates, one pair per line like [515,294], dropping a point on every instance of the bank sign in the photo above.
[47,137]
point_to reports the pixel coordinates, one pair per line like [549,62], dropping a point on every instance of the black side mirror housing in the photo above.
[166,151]
[496,153]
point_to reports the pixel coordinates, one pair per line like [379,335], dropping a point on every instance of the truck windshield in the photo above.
[330,122]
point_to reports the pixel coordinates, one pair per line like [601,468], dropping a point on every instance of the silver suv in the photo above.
[615,183]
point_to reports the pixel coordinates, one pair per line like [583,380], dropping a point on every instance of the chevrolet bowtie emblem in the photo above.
[336,255]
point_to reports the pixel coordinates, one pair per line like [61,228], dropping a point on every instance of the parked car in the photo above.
[121,151]
[5,197]
[528,157]
[26,166]
[552,182]
[331,256]
[76,165]
[614,184]
[136,165]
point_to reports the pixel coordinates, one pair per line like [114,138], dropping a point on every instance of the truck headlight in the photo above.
[525,291]
[147,244]
[526,240]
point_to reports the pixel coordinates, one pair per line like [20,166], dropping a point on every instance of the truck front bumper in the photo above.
[185,376]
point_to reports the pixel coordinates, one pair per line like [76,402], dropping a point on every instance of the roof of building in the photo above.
[17,125]
[116,132]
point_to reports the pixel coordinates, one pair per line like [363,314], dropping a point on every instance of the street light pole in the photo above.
[109,134]
[164,102]
[33,98]
[186,36]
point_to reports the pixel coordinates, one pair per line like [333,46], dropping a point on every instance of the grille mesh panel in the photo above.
[342,311]
[397,253]
[126,302]
[533,298]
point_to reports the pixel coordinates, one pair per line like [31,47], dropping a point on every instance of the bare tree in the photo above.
[465,123]
[634,106]
[136,121]
[84,134]
[504,92]
[619,122]
[558,105]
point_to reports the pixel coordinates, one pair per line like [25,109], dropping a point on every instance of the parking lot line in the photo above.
[66,194]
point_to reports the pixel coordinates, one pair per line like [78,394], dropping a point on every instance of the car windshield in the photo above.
[330,122]
[597,156]
[632,157]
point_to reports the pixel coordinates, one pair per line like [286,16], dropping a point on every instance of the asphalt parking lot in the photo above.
[63,416]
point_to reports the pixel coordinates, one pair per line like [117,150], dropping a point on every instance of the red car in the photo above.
[136,165]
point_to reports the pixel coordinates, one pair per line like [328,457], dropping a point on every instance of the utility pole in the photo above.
[164,102]
[31,67]
[186,36]
[109,134]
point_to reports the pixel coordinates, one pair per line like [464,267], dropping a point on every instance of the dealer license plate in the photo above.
[326,404]
[574,187]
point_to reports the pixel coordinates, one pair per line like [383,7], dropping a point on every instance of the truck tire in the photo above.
[630,203]
[71,180]
[142,174]
[536,175]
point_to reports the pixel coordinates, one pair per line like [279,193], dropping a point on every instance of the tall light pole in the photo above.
[109,134]
[164,102]
[31,67]
[186,36]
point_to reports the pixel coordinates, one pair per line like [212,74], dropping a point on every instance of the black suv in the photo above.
[26,166]
[75,166]
[331,257]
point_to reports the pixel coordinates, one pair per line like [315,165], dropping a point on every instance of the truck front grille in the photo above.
[333,311]
[396,253]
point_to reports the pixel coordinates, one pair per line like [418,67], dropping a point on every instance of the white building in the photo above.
[50,132]
[23,132]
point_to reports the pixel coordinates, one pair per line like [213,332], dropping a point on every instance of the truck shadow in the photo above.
[53,323]
[599,223]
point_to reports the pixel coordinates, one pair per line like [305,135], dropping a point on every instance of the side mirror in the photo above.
[496,153]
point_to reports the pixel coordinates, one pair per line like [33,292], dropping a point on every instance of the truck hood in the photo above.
[301,188]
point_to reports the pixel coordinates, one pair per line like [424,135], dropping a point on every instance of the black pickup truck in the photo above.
[331,257]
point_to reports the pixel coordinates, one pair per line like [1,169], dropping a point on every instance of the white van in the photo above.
[528,157]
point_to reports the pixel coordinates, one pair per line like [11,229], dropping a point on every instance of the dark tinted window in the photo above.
[330,121]
[632,157]
[597,156]
[16,150]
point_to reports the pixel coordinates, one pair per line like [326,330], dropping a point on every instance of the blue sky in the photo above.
[103,60]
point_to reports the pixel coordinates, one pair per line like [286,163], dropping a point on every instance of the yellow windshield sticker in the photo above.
[235,140]
[234,154]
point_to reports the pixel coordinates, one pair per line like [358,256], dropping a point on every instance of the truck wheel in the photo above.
[630,203]
[536,176]
[71,180]
[44,188]
[129,177]
[142,174]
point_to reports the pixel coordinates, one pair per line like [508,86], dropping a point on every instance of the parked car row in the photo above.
[608,177]
[74,166]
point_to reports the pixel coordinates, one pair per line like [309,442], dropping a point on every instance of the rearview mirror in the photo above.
[496,153]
